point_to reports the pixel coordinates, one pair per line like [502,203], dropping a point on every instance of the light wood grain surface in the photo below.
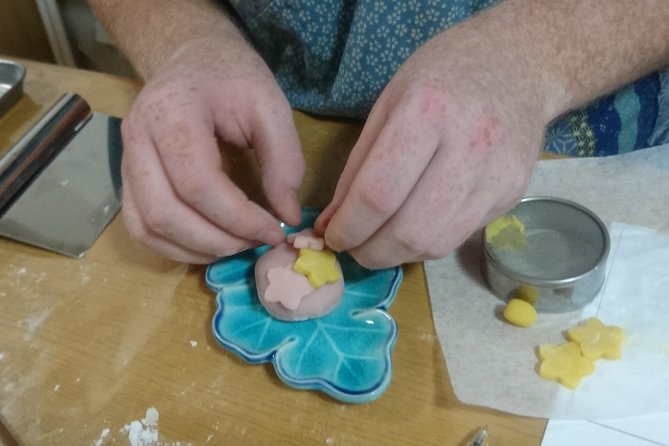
[87,346]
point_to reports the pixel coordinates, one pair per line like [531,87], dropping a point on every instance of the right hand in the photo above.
[444,150]
[177,198]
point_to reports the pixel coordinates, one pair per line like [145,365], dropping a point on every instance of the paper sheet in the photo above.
[493,364]
[648,430]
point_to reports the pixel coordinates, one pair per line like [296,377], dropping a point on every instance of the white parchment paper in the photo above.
[494,364]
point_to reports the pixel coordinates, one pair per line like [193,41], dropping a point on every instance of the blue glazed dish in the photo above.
[345,354]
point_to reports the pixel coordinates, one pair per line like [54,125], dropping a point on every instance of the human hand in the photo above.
[449,145]
[177,198]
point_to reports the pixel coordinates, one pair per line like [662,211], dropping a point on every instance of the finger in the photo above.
[488,187]
[392,168]
[190,155]
[447,205]
[394,245]
[273,137]
[173,221]
[159,211]
[136,227]
[452,236]
[370,132]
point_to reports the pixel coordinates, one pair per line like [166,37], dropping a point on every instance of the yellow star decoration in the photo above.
[564,364]
[598,340]
[569,362]
[320,267]
[506,231]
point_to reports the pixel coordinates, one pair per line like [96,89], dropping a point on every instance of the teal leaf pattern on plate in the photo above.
[346,353]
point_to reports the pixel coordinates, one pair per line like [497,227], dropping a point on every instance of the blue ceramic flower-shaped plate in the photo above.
[346,353]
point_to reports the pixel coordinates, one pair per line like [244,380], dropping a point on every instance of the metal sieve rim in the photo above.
[515,275]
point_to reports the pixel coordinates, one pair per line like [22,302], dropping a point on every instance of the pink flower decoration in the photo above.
[306,239]
[287,287]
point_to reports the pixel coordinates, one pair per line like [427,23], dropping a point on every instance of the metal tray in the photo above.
[11,84]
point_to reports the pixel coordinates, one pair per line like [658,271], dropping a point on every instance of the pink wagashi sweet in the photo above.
[306,238]
[287,287]
[283,297]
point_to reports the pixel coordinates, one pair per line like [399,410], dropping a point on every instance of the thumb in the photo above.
[279,155]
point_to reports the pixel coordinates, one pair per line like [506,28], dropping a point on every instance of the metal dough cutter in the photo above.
[60,183]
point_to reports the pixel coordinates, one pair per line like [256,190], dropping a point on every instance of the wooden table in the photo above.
[87,346]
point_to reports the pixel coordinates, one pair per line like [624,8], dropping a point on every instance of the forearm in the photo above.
[569,52]
[149,32]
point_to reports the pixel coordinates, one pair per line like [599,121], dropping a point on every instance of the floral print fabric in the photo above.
[334,57]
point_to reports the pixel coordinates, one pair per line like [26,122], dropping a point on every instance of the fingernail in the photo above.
[332,244]
[295,212]
[321,224]
[271,237]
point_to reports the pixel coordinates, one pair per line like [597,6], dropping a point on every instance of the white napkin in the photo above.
[494,364]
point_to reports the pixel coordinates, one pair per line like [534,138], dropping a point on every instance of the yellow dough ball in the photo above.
[520,313]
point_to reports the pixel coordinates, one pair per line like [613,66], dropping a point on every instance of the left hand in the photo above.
[449,145]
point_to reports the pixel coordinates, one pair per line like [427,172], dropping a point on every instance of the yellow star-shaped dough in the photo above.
[506,231]
[597,340]
[564,364]
[320,267]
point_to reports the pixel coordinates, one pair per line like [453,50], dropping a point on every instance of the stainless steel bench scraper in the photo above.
[60,183]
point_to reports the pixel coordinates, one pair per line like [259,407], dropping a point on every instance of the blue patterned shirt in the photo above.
[334,57]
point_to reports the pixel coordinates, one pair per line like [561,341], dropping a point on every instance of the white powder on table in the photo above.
[101,439]
[144,432]
[32,323]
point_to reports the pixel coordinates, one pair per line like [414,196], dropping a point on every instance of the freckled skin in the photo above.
[177,198]
[432,175]
[486,135]
[449,145]
[473,103]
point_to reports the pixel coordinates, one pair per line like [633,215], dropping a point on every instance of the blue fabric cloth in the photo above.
[617,123]
[334,57]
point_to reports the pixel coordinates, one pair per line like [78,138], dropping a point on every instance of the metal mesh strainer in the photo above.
[562,259]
